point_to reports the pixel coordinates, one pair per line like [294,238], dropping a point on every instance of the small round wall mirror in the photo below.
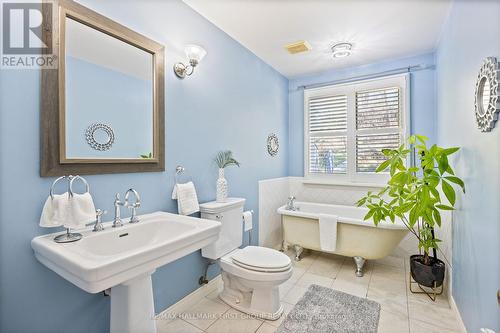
[100,136]
[487,104]
[273,144]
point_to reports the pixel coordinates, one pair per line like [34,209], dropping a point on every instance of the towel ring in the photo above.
[54,184]
[178,171]
[72,179]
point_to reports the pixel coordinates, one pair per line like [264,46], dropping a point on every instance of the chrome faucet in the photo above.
[291,203]
[134,206]
[117,222]
[98,220]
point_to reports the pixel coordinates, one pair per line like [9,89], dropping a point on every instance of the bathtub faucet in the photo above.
[291,203]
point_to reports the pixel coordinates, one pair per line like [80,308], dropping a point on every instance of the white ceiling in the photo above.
[378,29]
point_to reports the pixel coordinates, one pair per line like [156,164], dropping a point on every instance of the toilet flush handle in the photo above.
[219,217]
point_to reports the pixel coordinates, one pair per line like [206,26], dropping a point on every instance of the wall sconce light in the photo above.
[194,54]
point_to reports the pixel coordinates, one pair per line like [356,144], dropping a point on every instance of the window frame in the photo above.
[402,81]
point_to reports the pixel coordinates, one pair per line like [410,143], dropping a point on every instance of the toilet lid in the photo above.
[261,259]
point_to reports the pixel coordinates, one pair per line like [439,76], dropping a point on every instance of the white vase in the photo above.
[221,195]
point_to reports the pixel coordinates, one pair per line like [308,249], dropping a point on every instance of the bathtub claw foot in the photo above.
[360,262]
[298,251]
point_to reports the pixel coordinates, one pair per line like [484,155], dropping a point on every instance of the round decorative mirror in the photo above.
[100,136]
[487,103]
[273,144]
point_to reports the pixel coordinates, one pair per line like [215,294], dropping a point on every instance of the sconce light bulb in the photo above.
[195,53]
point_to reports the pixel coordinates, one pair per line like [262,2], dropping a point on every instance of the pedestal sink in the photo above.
[123,259]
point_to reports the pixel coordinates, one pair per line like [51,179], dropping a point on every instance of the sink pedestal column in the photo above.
[132,306]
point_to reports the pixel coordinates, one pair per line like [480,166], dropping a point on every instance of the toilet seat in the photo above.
[260,269]
[261,259]
[255,273]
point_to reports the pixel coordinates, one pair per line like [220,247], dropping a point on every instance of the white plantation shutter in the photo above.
[328,113]
[348,125]
[328,154]
[378,110]
[369,150]
[327,134]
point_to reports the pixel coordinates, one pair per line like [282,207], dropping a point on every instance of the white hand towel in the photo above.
[187,200]
[328,232]
[247,221]
[70,212]
[174,192]
[81,210]
[51,213]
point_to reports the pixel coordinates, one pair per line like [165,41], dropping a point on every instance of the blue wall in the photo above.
[233,101]
[471,33]
[119,100]
[422,101]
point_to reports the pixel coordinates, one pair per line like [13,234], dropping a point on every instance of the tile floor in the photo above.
[385,281]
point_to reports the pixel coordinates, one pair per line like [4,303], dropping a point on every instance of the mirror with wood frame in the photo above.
[103,107]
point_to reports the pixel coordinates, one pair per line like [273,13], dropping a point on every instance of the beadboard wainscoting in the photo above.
[272,195]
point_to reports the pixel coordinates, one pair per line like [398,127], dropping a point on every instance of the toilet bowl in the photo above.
[252,277]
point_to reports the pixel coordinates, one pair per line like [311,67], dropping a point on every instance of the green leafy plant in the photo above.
[225,159]
[413,193]
[147,156]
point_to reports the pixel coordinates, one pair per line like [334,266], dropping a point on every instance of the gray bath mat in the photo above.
[324,310]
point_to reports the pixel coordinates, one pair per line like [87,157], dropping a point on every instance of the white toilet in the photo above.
[251,275]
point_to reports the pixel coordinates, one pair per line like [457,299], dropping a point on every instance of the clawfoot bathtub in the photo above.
[355,237]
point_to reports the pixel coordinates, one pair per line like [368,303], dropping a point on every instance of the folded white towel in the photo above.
[70,212]
[81,210]
[328,232]
[187,200]
[51,213]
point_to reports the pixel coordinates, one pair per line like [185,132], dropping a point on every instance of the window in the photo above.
[347,126]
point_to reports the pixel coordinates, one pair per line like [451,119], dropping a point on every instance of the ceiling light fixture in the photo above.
[341,50]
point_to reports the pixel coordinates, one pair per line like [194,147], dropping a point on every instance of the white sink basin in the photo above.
[124,258]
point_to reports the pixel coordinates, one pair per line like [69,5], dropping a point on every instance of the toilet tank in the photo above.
[230,214]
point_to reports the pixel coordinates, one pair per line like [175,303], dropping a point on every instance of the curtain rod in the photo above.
[408,69]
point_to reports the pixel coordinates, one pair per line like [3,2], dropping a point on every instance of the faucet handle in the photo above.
[118,200]
[291,203]
[100,212]
[98,220]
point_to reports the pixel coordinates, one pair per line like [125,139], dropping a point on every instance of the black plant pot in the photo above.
[432,275]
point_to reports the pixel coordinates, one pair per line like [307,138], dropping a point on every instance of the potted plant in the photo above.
[413,194]
[223,160]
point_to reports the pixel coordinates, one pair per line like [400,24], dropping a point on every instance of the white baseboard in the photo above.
[454,307]
[187,302]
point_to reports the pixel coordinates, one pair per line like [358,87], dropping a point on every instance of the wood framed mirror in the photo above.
[103,106]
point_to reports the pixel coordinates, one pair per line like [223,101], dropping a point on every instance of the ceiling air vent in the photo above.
[298,47]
